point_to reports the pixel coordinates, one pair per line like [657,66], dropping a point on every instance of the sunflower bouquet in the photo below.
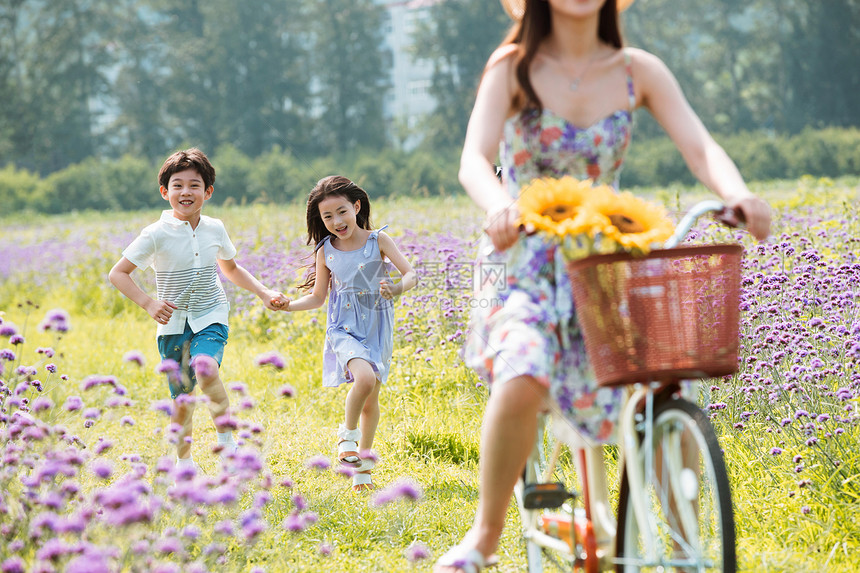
[590,219]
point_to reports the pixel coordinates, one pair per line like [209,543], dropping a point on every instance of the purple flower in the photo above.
[91,382]
[775,451]
[164,406]
[8,355]
[56,319]
[91,414]
[287,391]
[16,339]
[168,545]
[52,368]
[126,421]
[805,510]
[102,446]
[272,358]
[320,463]
[135,357]
[13,565]
[8,329]
[416,552]
[42,403]
[204,366]
[168,366]
[223,527]
[49,352]
[102,468]
[324,549]
[403,488]
[73,403]
[239,387]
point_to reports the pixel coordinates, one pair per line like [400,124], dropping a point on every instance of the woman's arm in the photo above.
[660,93]
[239,276]
[321,282]
[481,146]
[408,276]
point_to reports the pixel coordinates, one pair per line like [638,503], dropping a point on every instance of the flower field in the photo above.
[87,483]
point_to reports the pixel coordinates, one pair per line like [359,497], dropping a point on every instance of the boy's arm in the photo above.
[317,297]
[239,276]
[409,278]
[120,277]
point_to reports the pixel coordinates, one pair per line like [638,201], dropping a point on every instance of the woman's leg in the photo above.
[507,437]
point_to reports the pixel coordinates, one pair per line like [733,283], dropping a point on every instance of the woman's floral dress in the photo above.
[523,322]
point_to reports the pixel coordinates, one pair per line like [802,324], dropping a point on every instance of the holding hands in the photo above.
[275,300]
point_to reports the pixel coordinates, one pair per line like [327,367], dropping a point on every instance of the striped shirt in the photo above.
[186,269]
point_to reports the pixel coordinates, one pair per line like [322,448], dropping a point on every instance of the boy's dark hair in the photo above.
[331,186]
[187,159]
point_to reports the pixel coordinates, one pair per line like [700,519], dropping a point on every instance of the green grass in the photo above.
[429,430]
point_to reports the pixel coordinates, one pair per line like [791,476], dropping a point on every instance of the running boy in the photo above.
[185,248]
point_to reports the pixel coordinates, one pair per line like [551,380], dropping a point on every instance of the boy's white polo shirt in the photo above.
[186,269]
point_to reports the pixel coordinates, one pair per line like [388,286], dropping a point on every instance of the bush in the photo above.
[20,190]
[278,176]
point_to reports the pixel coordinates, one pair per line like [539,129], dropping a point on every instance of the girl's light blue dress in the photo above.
[359,322]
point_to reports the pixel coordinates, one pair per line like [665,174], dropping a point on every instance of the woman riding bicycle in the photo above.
[557,98]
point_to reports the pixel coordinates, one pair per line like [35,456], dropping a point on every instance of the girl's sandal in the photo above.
[347,446]
[361,482]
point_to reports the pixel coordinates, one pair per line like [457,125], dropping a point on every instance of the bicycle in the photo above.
[674,505]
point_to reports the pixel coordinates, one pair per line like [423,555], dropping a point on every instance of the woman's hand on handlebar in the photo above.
[502,227]
[756,214]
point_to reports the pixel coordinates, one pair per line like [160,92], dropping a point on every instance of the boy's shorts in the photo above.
[183,348]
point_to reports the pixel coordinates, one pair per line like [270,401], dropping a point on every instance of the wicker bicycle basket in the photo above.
[670,315]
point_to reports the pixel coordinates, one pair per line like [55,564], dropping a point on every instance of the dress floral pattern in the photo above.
[523,322]
[359,321]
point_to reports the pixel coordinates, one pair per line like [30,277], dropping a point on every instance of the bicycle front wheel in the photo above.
[690,523]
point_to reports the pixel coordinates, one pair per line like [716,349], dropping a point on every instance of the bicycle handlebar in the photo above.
[725,215]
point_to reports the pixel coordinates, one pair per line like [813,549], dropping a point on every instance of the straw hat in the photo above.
[515,8]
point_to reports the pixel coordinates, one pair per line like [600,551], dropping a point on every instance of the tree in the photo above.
[55,74]
[349,74]
[458,38]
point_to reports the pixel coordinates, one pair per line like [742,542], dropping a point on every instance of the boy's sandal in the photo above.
[347,446]
[361,481]
[467,560]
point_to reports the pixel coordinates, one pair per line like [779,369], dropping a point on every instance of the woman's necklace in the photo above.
[574,84]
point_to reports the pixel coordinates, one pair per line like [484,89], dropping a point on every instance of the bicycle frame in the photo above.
[636,444]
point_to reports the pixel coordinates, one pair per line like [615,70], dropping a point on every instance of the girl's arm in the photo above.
[321,281]
[120,277]
[239,276]
[662,96]
[408,276]
[481,146]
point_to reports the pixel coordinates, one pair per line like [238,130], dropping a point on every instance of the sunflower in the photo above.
[560,206]
[634,223]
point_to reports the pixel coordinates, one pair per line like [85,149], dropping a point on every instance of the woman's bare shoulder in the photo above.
[645,61]
[502,55]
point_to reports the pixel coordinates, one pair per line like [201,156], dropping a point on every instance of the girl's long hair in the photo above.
[534,26]
[331,186]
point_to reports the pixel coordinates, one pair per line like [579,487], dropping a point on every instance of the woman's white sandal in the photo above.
[347,446]
[465,559]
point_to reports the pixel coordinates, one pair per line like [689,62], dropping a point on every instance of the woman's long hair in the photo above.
[331,186]
[534,26]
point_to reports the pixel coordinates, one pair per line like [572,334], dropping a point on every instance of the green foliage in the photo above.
[431,407]
[828,152]
[20,190]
